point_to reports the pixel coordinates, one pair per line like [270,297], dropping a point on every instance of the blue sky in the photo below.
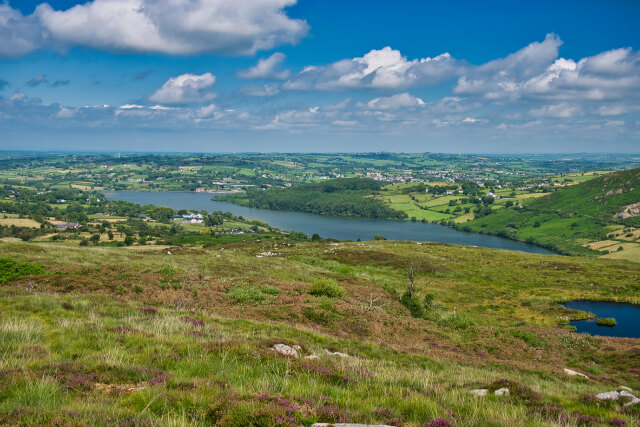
[281,75]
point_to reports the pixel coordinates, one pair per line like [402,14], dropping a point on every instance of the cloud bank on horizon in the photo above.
[525,97]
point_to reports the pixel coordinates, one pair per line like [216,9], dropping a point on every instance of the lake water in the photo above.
[335,227]
[627,316]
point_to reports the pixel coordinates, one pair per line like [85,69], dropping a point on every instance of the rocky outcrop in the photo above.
[629,211]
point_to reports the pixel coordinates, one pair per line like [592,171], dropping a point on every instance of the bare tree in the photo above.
[414,267]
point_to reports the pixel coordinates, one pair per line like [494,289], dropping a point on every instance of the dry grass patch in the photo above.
[19,222]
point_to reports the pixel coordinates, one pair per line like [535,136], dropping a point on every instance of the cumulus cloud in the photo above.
[267,68]
[536,72]
[186,89]
[401,100]
[383,69]
[156,26]
[19,35]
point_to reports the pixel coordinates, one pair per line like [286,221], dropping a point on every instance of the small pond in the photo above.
[627,317]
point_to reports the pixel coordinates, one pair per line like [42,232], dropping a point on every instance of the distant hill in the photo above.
[335,197]
[607,207]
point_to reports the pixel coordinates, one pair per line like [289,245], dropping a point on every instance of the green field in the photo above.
[569,219]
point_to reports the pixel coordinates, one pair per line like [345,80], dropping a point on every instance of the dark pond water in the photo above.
[335,227]
[627,317]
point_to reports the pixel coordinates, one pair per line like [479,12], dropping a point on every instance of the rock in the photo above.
[479,392]
[285,350]
[501,391]
[336,353]
[632,402]
[625,393]
[297,348]
[625,388]
[573,373]
[312,357]
[609,395]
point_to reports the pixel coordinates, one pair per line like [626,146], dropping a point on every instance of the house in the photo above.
[190,218]
[63,225]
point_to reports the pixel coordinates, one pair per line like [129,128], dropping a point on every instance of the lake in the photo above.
[336,227]
[627,316]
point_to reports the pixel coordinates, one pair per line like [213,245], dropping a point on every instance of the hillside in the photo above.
[336,197]
[597,215]
[184,336]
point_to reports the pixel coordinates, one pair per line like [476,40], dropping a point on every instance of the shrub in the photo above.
[326,287]
[427,302]
[168,271]
[413,304]
[252,293]
[11,270]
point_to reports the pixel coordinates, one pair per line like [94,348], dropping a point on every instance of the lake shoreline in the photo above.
[339,228]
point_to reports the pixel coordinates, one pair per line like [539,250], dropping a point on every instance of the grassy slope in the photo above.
[76,348]
[569,217]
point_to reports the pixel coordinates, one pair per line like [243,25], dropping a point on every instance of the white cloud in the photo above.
[130,106]
[185,89]
[345,122]
[612,110]
[472,120]
[536,72]
[401,100]
[65,113]
[384,68]
[562,110]
[18,34]
[158,26]
[266,68]
[268,89]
